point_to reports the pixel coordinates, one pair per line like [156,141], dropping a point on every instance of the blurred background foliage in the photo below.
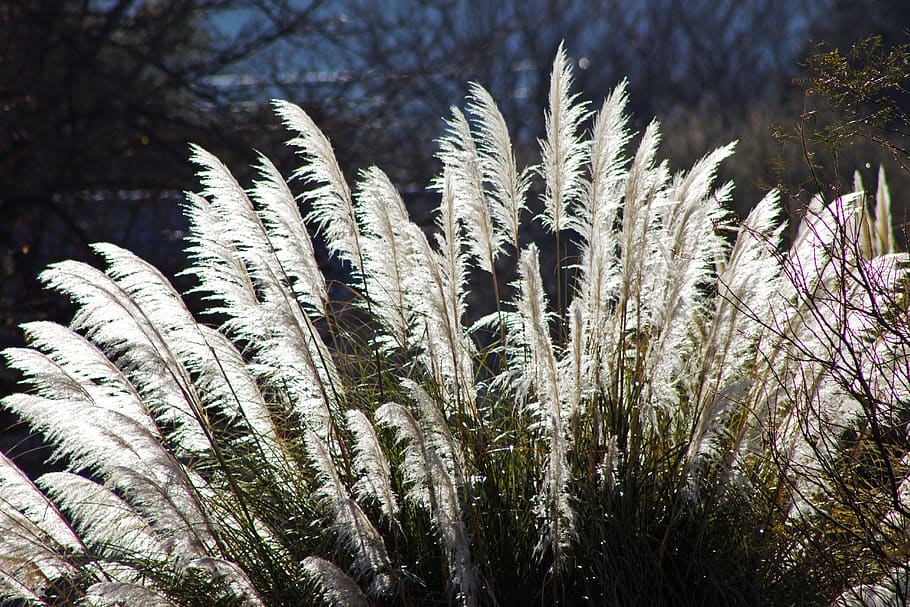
[98,99]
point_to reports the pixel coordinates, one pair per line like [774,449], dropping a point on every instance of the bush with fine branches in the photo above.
[690,416]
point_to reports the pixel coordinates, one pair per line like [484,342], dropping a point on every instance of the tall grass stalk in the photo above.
[703,417]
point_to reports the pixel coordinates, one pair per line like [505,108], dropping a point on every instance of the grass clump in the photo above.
[688,415]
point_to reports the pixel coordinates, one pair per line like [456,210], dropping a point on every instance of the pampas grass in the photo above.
[693,415]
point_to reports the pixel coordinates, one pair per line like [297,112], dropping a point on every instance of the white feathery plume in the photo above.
[222,376]
[601,198]
[223,281]
[544,402]
[595,219]
[227,384]
[37,542]
[867,236]
[450,522]
[58,412]
[453,262]
[810,217]
[643,198]
[429,467]
[806,437]
[173,507]
[68,359]
[233,583]
[18,493]
[820,254]
[607,469]
[869,349]
[289,237]
[414,290]
[788,379]
[110,318]
[230,389]
[437,432]
[100,427]
[371,462]
[222,381]
[230,291]
[821,236]
[576,365]
[414,466]
[107,523]
[388,256]
[338,589]
[460,157]
[13,571]
[447,352]
[884,354]
[748,285]
[302,372]
[809,269]
[332,208]
[563,153]
[130,459]
[349,521]
[508,187]
[530,346]
[796,410]
[288,348]
[138,396]
[241,225]
[625,268]
[272,242]
[884,235]
[890,590]
[688,245]
[822,322]
[226,287]
[748,281]
[55,381]
[644,184]
[112,594]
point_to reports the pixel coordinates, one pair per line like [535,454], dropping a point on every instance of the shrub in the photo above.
[691,422]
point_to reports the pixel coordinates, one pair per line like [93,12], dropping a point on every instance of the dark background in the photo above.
[98,100]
